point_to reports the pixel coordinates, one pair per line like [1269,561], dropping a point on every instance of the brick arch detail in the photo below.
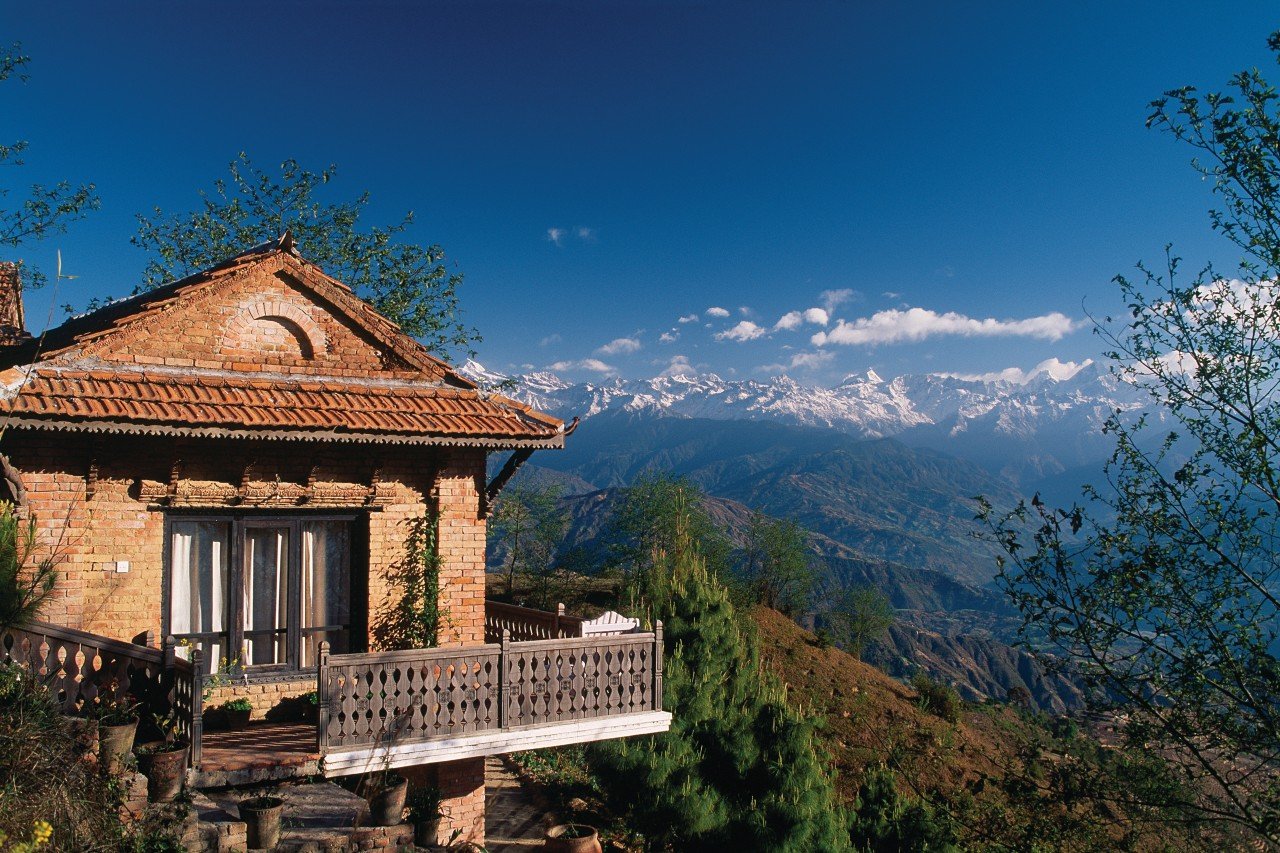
[291,316]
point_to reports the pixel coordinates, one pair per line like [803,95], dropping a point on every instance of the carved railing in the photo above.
[78,667]
[525,623]
[392,698]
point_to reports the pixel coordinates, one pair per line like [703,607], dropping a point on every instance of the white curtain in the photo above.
[325,584]
[198,582]
[266,593]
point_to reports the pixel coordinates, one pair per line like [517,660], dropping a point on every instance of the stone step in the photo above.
[319,817]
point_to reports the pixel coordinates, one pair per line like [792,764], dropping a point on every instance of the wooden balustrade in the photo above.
[391,698]
[79,667]
[526,623]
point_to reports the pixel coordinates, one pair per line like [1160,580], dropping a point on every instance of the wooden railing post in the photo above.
[197,704]
[504,683]
[322,699]
[555,630]
[657,665]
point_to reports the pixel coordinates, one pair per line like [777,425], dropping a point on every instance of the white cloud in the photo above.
[811,360]
[669,337]
[688,318]
[792,319]
[892,294]
[817,316]
[744,331]
[1051,367]
[716,311]
[679,366]
[916,324]
[586,234]
[745,310]
[595,365]
[619,346]
[832,298]
[788,321]
[556,235]
[549,340]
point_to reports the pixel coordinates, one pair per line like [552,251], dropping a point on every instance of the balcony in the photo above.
[547,679]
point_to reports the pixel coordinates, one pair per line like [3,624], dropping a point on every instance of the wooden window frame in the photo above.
[234,636]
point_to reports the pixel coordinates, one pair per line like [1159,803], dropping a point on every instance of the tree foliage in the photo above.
[778,564]
[860,615]
[43,210]
[25,583]
[528,524]
[883,821]
[1163,587]
[739,769]
[405,281]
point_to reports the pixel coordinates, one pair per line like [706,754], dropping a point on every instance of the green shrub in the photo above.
[937,698]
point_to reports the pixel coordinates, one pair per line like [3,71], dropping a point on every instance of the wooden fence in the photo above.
[525,623]
[79,667]
[405,697]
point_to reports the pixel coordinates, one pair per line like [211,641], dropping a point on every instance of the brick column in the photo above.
[462,547]
[462,800]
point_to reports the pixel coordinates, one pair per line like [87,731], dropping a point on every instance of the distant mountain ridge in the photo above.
[1029,429]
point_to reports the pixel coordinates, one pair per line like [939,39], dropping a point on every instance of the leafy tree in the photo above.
[25,584]
[45,210]
[860,615]
[739,768]
[777,564]
[529,524]
[657,513]
[1163,588]
[405,281]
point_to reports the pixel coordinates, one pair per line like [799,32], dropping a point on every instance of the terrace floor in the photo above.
[263,752]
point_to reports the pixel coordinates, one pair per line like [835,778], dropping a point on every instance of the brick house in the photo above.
[234,461]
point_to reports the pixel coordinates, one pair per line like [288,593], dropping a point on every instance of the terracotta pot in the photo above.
[585,839]
[166,771]
[263,817]
[237,720]
[115,744]
[426,833]
[386,805]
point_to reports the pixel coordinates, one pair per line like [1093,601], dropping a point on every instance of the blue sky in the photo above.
[953,185]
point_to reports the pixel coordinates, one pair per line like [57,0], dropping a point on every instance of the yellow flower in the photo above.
[41,832]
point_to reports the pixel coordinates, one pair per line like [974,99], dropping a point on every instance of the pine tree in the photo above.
[739,768]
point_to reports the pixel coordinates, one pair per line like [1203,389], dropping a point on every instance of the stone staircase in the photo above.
[319,817]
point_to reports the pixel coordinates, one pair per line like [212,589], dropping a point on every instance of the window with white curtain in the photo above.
[260,592]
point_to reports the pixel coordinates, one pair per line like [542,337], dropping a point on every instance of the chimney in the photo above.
[13,328]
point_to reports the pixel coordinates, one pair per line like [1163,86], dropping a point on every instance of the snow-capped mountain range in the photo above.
[1027,427]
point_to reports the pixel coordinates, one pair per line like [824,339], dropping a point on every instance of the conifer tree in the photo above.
[739,768]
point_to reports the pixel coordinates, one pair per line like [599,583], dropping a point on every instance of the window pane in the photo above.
[266,594]
[326,586]
[198,586]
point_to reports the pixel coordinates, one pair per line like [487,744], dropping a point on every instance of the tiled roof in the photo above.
[117,397]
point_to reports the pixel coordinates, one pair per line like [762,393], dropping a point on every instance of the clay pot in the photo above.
[263,818]
[115,744]
[166,770]
[426,833]
[386,803]
[572,838]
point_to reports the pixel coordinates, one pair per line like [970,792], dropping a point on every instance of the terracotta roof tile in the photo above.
[195,399]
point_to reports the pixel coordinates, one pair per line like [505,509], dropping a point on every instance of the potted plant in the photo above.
[425,815]
[310,703]
[262,818]
[165,763]
[572,838]
[237,712]
[386,795]
[117,718]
